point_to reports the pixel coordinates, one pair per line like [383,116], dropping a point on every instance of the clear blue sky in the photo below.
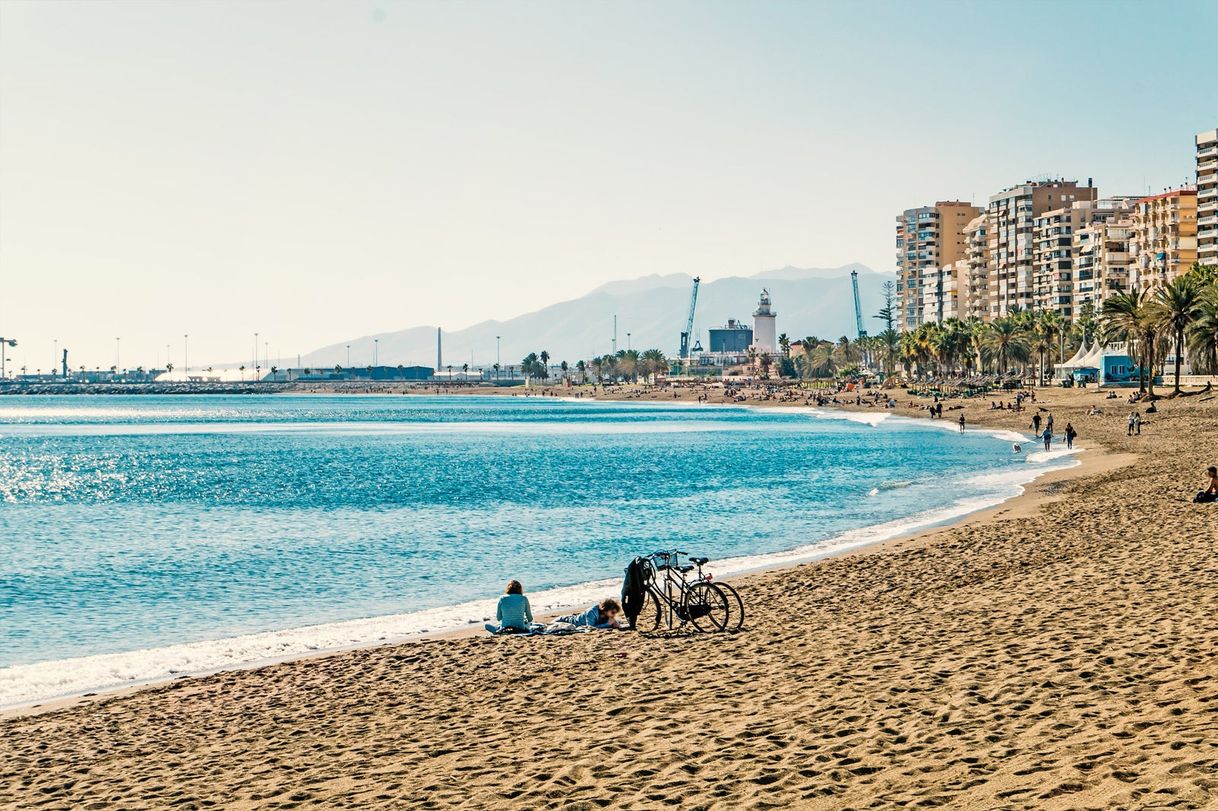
[317,171]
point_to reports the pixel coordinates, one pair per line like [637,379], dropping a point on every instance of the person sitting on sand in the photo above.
[603,615]
[514,612]
[1210,494]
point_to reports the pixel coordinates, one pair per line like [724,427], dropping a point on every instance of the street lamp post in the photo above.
[348,356]
[117,354]
[376,351]
[497,359]
[257,367]
[186,356]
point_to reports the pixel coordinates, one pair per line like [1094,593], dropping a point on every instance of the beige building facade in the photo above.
[1101,260]
[976,304]
[1011,216]
[928,238]
[1164,238]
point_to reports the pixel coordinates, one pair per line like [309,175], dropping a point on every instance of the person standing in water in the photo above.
[962,423]
[1070,435]
[1048,436]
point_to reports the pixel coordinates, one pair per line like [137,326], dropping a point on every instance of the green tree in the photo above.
[1203,331]
[1175,306]
[1006,343]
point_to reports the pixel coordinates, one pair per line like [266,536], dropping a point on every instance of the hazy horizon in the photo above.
[318,171]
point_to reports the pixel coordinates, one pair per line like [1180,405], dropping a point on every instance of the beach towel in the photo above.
[1205,498]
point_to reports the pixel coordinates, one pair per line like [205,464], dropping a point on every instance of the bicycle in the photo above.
[673,600]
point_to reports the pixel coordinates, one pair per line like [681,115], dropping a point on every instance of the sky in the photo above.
[317,171]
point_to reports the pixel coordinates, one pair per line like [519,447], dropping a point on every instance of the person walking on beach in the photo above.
[1036,423]
[962,423]
[1137,424]
[1049,421]
[1133,416]
[1048,436]
[1070,435]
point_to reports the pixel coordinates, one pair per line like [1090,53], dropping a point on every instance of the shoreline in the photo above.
[1030,498]
[1056,651]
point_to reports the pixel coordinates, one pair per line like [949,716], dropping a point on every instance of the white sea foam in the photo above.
[862,417]
[26,684]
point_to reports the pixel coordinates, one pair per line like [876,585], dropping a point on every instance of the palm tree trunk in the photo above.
[1179,351]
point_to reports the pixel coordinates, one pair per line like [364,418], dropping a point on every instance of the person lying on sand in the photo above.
[514,612]
[602,616]
[1210,494]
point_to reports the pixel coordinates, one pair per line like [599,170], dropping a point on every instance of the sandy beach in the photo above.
[1058,651]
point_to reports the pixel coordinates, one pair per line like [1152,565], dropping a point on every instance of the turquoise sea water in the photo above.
[133,523]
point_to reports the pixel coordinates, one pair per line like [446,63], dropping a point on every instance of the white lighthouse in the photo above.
[765,337]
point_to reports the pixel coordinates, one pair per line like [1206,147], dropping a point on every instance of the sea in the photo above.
[145,537]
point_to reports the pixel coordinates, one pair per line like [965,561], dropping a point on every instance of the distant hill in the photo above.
[809,301]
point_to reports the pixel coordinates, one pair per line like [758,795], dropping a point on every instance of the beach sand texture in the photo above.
[1060,652]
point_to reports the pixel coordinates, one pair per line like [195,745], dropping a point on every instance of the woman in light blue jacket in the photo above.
[514,612]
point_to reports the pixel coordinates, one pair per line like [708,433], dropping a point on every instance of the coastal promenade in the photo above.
[1058,651]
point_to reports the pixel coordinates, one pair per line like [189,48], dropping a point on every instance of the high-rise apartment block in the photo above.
[927,238]
[1101,257]
[976,303]
[1055,257]
[1011,218]
[1207,197]
[1164,238]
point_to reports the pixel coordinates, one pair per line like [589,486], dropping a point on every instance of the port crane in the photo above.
[858,309]
[687,335]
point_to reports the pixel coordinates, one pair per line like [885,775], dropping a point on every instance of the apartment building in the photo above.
[977,256]
[1102,259]
[945,292]
[1207,197]
[1164,238]
[927,238]
[1011,216]
[1055,250]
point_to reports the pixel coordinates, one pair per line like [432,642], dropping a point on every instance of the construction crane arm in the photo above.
[687,335]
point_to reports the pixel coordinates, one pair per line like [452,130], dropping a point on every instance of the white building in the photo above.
[765,334]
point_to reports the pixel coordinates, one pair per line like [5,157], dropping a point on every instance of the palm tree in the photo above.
[1175,306]
[1203,331]
[1049,323]
[784,343]
[1127,316]
[1005,342]
[654,362]
[582,366]
[545,364]
[1041,344]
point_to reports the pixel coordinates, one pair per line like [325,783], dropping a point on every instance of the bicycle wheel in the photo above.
[706,606]
[652,614]
[737,612]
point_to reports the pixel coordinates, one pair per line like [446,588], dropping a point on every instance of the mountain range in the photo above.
[651,313]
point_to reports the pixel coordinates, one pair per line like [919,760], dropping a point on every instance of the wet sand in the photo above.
[1059,651]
